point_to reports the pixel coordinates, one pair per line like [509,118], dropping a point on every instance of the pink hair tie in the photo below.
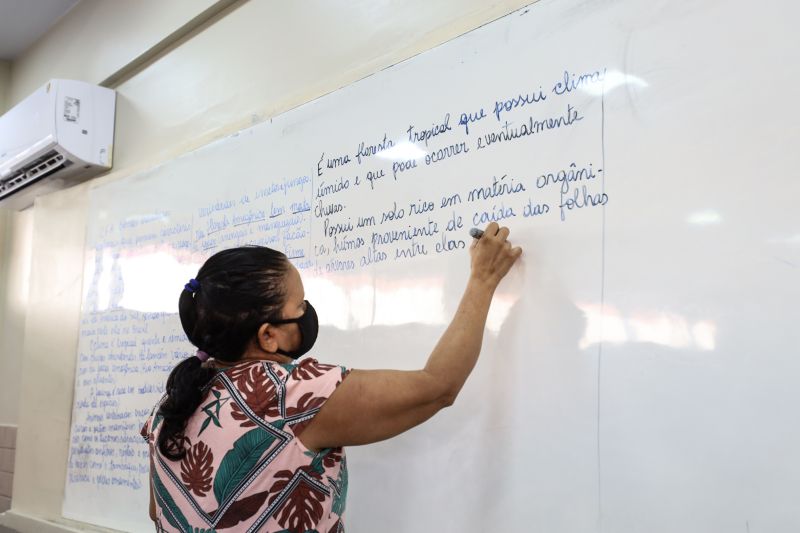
[203,356]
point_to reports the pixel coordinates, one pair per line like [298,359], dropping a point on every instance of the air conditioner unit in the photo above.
[58,136]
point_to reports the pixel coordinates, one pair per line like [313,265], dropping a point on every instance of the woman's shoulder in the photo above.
[311,374]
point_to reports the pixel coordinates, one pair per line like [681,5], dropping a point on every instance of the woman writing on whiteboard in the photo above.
[248,439]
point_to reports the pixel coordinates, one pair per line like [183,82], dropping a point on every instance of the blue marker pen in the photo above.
[476,233]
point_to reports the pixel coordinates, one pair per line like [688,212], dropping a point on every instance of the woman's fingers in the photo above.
[491,229]
[502,233]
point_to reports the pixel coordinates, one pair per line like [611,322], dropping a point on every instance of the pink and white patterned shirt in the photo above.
[245,470]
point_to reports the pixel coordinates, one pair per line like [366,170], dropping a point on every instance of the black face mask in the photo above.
[309,328]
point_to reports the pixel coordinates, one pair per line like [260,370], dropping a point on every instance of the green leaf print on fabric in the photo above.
[240,460]
[340,498]
[156,421]
[316,460]
[213,416]
[289,367]
[322,459]
[170,509]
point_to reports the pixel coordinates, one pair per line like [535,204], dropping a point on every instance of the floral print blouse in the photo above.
[245,470]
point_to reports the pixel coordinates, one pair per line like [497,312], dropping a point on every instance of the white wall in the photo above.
[250,61]
[15,251]
[5,85]
[96,38]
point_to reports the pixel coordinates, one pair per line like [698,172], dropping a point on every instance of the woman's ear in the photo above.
[266,338]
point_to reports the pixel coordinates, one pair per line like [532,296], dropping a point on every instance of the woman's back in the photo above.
[244,467]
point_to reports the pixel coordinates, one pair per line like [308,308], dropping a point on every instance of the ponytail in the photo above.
[184,394]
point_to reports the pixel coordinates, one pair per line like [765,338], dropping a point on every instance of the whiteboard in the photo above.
[640,364]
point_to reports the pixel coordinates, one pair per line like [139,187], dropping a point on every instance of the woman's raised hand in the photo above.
[372,405]
[493,255]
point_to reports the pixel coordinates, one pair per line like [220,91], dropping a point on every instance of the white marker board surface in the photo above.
[640,364]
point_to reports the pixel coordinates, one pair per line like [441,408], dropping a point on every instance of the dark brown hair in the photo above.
[239,289]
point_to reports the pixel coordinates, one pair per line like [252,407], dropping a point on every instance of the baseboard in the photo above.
[31,524]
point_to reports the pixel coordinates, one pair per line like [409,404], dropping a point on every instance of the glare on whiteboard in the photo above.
[704,218]
[612,80]
[152,282]
[498,312]
[105,281]
[411,303]
[326,297]
[403,151]
[385,303]
[604,323]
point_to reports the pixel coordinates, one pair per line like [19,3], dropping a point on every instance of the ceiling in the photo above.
[22,22]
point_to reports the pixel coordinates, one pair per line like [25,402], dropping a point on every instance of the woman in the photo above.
[250,440]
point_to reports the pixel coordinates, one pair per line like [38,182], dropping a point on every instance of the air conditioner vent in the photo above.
[38,169]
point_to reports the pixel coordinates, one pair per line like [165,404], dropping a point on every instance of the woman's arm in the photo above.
[373,405]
